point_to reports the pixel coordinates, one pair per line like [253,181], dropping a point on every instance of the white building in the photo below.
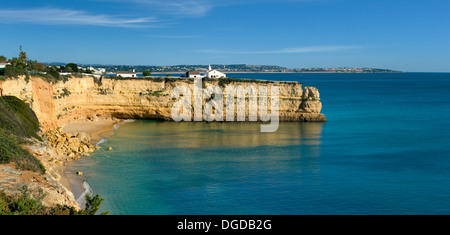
[214,73]
[100,70]
[3,65]
[97,70]
[194,74]
[127,74]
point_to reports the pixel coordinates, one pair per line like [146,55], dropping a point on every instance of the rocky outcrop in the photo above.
[69,145]
[311,104]
[13,181]
[82,98]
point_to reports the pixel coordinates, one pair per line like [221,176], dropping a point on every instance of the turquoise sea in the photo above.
[384,150]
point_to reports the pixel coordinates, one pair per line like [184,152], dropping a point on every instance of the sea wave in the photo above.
[116,126]
[101,142]
[87,191]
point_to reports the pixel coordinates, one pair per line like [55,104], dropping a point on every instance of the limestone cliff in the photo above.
[80,98]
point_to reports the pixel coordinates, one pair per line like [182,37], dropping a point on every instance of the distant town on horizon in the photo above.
[232,68]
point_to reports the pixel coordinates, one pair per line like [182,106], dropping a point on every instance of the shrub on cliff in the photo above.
[19,119]
[7,148]
[12,151]
[157,79]
[168,78]
[21,205]
[53,76]
[18,123]
[25,204]
[72,67]
[12,72]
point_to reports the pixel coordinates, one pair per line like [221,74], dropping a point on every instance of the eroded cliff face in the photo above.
[81,98]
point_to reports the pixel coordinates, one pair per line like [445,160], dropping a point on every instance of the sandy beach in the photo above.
[97,130]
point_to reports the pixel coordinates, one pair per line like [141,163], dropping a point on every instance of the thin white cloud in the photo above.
[190,7]
[183,8]
[295,50]
[196,8]
[53,16]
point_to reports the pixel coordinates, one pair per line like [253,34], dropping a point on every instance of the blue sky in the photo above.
[407,35]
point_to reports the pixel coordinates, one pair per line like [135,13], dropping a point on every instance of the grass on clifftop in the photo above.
[18,123]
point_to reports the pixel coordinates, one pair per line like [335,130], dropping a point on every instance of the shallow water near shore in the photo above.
[384,150]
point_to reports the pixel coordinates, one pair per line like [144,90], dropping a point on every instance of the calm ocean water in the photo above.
[384,150]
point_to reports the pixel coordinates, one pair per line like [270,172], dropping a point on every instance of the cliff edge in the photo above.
[90,98]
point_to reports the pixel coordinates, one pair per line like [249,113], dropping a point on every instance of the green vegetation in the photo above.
[18,124]
[155,79]
[21,65]
[152,93]
[62,94]
[70,67]
[98,81]
[25,204]
[53,76]
[65,92]
[146,73]
[105,91]
[11,151]
[11,72]
[225,81]
[17,118]
[92,205]
[18,65]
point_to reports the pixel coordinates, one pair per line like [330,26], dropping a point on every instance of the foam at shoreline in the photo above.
[101,142]
[81,200]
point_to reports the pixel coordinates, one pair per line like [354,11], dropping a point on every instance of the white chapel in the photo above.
[214,73]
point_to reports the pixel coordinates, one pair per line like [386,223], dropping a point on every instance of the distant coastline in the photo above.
[180,72]
[231,68]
